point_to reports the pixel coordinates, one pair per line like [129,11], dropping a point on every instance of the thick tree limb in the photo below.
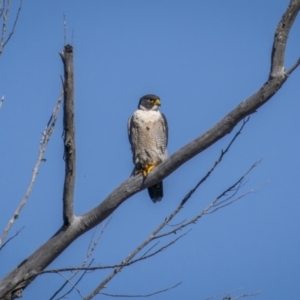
[20,277]
[69,135]
[280,39]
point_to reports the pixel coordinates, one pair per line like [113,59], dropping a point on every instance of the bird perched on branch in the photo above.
[148,136]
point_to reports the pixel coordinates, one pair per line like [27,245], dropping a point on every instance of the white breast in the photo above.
[146,116]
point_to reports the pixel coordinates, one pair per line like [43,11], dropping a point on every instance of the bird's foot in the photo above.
[147,169]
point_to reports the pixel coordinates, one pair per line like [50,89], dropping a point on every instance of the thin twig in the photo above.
[42,148]
[223,152]
[224,294]
[152,247]
[65,29]
[2,7]
[91,248]
[4,14]
[291,70]
[121,265]
[1,101]
[75,284]
[70,282]
[212,205]
[173,225]
[227,295]
[4,25]
[248,295]
[15,24]
[12,237]
[142,295]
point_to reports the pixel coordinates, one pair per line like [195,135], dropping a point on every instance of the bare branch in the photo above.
[152,247]
[1,101]
[73,285]
[248,295]
[227,295]
[280,39]
[293,68]
[91,248]
[65,29]
[69,135]
[126,262]
[142,295]
[212,207]
[5,14]
[42,148]
[11,238]
[224,294]
[2,7]
[14,25]
[223,152]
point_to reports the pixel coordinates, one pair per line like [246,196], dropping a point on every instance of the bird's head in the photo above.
[149,102]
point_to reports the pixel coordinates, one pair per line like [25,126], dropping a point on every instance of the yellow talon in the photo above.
[147,169]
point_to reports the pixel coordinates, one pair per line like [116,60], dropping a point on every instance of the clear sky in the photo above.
[202,58]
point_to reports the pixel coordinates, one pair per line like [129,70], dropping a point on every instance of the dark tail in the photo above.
[156,192]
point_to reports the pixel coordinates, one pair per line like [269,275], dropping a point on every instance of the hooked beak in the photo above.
[157,102]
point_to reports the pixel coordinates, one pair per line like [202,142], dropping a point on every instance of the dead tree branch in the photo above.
[11,238]
[42,148]
[69,135]
[73,286]
[142,295]
[1,101]
[246,295]
[4,14]
[92,246]
[21,276]
[227,295]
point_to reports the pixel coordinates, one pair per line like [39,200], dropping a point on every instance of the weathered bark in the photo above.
[69,135]
[21,276]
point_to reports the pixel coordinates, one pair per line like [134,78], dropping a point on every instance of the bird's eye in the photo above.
[151,100]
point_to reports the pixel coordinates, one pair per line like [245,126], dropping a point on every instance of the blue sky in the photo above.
[202,58]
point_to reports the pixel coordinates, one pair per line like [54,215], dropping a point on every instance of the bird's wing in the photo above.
[165,127]
[129,129]
[132,133]
[161,133]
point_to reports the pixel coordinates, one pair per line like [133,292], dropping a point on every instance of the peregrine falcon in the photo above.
[148,136]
